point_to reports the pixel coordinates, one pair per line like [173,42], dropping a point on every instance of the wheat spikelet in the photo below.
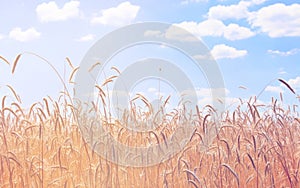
[15,94]
[7,62]
[72,74]
[93,66]
[47,106]
[70,63]
[116,69]
[287,85]
[233,173]
[15,63]
[11,111]
[19,109]
[243,87]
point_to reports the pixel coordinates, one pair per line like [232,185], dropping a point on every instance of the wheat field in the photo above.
[257,146]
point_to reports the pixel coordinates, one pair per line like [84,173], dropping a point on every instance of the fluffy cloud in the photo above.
[236,11]
[123,14]
[173,32]
[210,27]
[24,36]
[152,33]
[185,2]
[217,28]
[274,89]
[282,72]
[294,83]
[86,38]
[152,90]
[205,97]
[178,34]
[258,2]
[47,12]
[287,53]
[236,32]
[207,92]
[230,102]
[1,36]
[223,51]
[277,20]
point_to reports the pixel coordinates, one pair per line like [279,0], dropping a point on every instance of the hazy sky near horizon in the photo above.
[254,42]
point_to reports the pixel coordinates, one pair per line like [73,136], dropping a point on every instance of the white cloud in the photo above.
[287,53]
[207,92]
[282,72]
[209,27]
[47,12]
[230,102]
[202,57]
[123,14]
[185,2]
[217,28]
[205,97]
[277,20]
[236,32]
[24,36]
[153,33]
[294,83]
[274,89]
[1,36]
[152,90]
[163,46]
[159,94]
[223,51]
[236,11]
[180,34]
[258,2]
[86,38]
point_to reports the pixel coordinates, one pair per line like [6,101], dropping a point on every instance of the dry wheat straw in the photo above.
[287,85]
[43,147]
[5,60]
[15,63]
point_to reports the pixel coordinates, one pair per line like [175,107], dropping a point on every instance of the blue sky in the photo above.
[253,41]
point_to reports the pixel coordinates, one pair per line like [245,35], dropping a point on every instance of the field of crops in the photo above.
[256,146]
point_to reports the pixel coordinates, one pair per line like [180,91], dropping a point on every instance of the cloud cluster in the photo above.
[86,38]
[287,53]
[216,28]
[236,11]
[223,51]
[276,20]
[24,36]
[120,15]
[293,82]
[207,92]
[48,12]
[185,2]
[274,89]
